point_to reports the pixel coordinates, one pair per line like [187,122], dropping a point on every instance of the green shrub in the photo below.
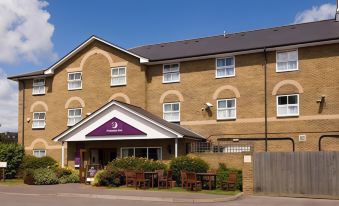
[13,155]
[44,176]
[108,177]
[72,178]
[31,162]
[185,163]
[223,172]
[67,175]
[135,163]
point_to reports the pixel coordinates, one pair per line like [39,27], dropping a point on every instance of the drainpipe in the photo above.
[176,148]
[337,13]
[23,114]
[265,93]
[323,136]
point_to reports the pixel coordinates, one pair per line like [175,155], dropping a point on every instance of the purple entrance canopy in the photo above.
[115,126]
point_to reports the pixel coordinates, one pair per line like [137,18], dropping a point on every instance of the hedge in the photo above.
[12,154]
[135,163]
[223,172]
[31,162]
[185,163]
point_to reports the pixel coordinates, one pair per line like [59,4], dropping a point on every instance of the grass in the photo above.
[12,182]
[179,189]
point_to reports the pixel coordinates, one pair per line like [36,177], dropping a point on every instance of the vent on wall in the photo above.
[302,138]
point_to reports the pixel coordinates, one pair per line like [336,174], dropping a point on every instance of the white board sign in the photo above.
[247,158]
[3,164]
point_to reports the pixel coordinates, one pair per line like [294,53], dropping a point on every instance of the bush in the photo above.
[135,163]
[108,177]
[67,175]
[185,163]
[44,176]
[222,174]
[13,155]
[31,162]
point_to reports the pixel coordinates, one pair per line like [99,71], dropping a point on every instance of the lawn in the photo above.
[12,182]
[179,189]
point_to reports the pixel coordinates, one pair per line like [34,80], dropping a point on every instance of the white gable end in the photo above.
[151,130]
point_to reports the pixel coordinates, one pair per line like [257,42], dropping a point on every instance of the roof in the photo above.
[304,33]
[138,110]
[242,41]
[30,74]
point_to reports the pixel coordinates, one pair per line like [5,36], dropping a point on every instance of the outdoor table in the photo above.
[212,177]
[152,175]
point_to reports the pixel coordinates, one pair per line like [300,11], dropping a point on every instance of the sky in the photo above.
[36,33]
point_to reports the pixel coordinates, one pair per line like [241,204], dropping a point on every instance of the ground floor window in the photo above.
[154,153]
[39,153]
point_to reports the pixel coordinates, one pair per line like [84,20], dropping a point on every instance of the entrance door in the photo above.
[83,165]
[94,157]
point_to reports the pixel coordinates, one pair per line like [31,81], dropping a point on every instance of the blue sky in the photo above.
[36,33]
[130,23]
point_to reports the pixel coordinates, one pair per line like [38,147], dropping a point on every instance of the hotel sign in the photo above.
[115,126]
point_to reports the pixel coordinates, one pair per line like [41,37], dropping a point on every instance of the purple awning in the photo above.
[115,126]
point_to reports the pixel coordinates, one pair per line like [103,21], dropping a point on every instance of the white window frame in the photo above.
[41,127]
[68,81]
[121,148]
[68,117]
[284,51]
[35,85]
[287,115]
[163,110]
[125,75]
[39,150]
[163,74]
[224,67]
[235,108]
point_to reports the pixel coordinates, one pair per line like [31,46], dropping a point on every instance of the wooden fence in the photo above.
[297,173]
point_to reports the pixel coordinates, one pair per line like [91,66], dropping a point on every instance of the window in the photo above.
[74,81]
[288,105]
[74,116]
[171,73]
[154,153]
[39,153]
[39,120]
[287,61]
[225,67]
[118,76]
[38,86]
[171,112]
[226,109]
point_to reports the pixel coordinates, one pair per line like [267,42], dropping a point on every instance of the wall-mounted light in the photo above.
[28,120]
[321,100]
[207,107]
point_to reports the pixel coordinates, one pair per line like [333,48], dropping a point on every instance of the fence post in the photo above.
[247,175]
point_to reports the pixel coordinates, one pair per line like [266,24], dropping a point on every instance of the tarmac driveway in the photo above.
[87,196]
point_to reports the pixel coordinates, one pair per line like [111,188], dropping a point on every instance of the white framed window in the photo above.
[287,61]
[39,153]
[38,86]
[225,67]
[288,105]
[171,73]
[171,112]
[74,116]
[118,76]
[226,109]
[74,81]
[39,120]
[154,153]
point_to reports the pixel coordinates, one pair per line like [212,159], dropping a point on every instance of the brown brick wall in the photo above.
[318,75]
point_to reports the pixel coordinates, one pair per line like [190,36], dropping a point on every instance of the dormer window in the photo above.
[38,86]
[287,61]
[74,81]
[171,73]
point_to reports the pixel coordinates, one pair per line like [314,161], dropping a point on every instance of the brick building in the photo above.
[101,101]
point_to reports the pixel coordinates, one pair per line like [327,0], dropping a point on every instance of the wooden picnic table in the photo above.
[211,178]
[152,175]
